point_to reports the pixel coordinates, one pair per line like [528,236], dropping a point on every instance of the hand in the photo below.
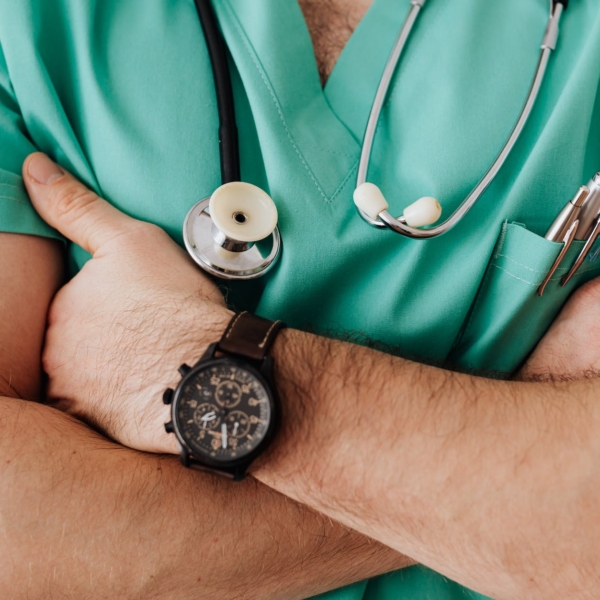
[571,348]
[118,331]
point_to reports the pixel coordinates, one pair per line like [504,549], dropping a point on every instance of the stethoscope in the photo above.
[233,234]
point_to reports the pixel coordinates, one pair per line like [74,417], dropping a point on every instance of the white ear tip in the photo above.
[370,200]
[425,211]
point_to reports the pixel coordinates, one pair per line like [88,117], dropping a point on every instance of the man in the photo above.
[455,471]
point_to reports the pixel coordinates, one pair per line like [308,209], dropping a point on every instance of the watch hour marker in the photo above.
[224,436]
[220,408]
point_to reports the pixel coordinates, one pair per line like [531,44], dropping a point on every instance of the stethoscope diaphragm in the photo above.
[233,234]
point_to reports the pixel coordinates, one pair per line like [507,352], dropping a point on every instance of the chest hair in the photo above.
[331,23]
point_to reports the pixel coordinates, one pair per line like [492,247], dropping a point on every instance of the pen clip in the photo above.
[567,241]
[583,254]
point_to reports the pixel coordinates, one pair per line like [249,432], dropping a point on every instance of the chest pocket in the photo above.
[508,317]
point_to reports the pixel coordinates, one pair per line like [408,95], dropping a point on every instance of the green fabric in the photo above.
[120,92]
[16,212]
[508,313]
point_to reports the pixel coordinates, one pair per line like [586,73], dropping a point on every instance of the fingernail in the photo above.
[43,170]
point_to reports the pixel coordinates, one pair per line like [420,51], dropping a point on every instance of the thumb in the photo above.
[70,207]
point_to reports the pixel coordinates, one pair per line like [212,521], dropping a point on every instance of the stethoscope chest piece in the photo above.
[234,234]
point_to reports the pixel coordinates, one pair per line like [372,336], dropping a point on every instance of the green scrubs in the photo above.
[120,92]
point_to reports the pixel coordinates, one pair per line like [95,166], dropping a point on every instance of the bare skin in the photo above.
[105,497]
[571,349]
[331,23]
[29,276]
[302,548]
[491,483]
[83,517]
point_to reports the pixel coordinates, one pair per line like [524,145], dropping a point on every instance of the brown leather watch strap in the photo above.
[249,336]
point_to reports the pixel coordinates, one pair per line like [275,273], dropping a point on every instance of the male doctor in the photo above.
[492,484]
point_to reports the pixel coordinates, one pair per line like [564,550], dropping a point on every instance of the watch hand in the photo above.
[235,428]
[211,416]
[224,436]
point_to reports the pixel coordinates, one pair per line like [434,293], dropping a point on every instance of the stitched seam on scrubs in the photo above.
[522,265]
[479,296]
[336,152]
[501,240]
[19,200]
[14,187]
[488,273]
[531,283]
[262,73]
[343,184]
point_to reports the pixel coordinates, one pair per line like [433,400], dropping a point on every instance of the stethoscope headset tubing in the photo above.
[228,133]
[234,256]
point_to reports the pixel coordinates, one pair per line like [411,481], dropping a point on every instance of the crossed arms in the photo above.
[83,517]
[492,483]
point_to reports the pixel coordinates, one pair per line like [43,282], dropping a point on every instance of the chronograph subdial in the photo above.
[223,412]
[207,416]
[238,424]
[228,393]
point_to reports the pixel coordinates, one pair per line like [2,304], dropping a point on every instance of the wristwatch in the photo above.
[225,411]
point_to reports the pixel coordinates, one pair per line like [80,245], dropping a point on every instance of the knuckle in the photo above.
[73,202]
[54,315]
[49,363]
[147,231]
[52,357]
[151,229]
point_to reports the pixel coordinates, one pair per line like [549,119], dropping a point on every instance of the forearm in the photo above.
[80,515]
[30,273]
[494,484]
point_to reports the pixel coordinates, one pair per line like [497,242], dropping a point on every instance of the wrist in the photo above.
[300,364]
[224,412]
[201,324]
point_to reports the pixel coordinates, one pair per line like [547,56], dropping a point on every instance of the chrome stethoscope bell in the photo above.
[234,234]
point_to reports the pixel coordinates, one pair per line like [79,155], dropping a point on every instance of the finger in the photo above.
[70,207]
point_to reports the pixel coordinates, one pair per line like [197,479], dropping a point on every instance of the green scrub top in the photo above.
[120,92]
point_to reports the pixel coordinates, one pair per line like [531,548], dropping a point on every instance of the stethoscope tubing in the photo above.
[228,132]
[386,220]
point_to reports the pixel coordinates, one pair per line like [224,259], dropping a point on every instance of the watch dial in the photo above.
[223,412]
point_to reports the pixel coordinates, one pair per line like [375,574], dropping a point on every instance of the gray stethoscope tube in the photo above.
[233,234]
[384,219]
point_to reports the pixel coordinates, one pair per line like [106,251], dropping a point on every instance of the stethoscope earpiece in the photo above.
[370,200]
[221,232]
[373,207]
[242,214]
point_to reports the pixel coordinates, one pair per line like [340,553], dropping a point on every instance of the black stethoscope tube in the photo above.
[228,133]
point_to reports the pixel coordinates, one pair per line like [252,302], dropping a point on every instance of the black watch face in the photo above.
[223,412]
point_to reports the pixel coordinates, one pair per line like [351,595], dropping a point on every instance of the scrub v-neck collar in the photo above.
[325,126]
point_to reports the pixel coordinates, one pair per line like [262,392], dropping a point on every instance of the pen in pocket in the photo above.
[578,220]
